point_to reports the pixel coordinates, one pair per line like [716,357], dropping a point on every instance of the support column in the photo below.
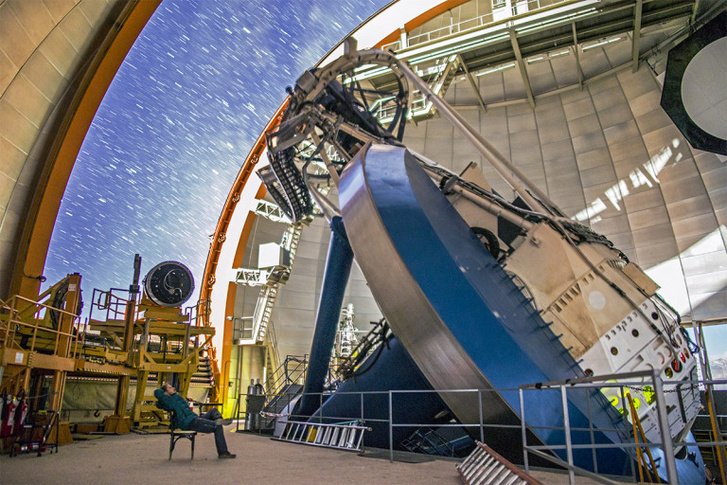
[59,385]
[119,422]
[335,278]
[122,386]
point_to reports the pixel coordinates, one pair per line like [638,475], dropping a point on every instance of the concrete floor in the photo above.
[142,459]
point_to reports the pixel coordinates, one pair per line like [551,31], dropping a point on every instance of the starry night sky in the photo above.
[175,126]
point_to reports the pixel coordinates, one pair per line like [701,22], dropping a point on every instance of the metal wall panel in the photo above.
[593,62]
[714,173]
[564,69]
[619,53]
[540,74]
[577,104]
[514,87]
[492,87]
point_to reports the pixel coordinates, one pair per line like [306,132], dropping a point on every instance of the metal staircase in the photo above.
[264,310]
[288,186]
[204,375]
[281,389]
[484,466]
[290,372]
[377,336]
[342,436]
[449,442]
[269,280]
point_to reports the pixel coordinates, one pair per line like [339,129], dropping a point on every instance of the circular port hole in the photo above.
[614,351]
[635,333]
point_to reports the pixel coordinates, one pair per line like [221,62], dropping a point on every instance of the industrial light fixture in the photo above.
[603,42]
[495,69]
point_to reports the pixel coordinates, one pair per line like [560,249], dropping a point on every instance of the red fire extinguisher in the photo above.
[8,418]
[20,413]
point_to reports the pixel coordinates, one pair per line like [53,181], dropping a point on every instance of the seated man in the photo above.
[209,422]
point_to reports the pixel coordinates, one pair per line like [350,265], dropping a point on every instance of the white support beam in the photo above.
[636,40]
[271,211]
[252,277]
[473,83]
[523,68]
[577,56]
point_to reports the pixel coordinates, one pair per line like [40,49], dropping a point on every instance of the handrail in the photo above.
[516,8]
[282,376]
[666,442]
[114,306]
[9,328]
[543,451]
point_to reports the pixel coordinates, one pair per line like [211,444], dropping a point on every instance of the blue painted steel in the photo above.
[690,469]
[481,306]
[487,314]
[388,368]
[338,268]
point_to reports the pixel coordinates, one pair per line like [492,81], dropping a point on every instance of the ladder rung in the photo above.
[326,438]
[342,436]
[312,434]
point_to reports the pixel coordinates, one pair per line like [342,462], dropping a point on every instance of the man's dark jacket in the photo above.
[176,403]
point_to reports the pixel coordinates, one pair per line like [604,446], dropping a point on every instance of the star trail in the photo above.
[176,125]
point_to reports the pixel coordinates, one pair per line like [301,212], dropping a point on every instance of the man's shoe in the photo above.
[223,422]
[226,454]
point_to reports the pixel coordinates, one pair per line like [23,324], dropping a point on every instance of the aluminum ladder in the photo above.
[484,466]
[342,436]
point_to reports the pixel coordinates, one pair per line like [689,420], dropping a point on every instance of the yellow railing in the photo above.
[27,324]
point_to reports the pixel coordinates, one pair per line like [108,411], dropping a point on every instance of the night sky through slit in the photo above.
[175,126]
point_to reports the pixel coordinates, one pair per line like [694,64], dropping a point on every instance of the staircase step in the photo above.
[485,466]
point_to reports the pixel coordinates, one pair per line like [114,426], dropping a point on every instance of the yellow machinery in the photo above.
[136,336]
[157,339]
[42,334]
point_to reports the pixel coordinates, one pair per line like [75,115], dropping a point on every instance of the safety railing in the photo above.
[502,10]
[199,313]
[108,304]
[631,442]
[707,427]
[34,332]
[481,429]
[291,371]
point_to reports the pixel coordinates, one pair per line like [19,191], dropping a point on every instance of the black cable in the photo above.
[374,359]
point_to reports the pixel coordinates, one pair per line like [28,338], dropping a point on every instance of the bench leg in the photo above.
[193,437]
[171,446]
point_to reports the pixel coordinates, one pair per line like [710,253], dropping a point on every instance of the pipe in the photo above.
[328,208]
